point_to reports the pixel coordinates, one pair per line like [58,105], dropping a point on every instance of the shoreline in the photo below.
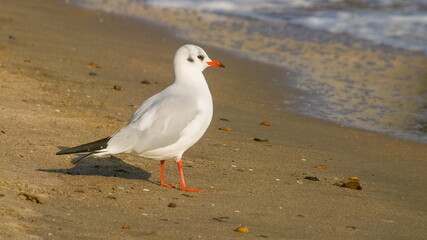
[338,78]
[52,97]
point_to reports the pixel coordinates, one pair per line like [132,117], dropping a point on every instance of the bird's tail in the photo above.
[88,148]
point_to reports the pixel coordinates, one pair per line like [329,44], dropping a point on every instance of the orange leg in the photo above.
[162,175]
[181,174]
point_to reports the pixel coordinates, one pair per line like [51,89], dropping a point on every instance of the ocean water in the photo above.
[380,84]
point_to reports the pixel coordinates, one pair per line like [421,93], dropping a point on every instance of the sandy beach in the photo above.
[58,69]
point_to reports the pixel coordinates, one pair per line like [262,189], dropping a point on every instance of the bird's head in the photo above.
[193,57]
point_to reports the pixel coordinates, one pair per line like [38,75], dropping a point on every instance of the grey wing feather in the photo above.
[158,123]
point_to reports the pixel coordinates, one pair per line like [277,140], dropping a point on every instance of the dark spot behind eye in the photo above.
[190,59]
[201,57]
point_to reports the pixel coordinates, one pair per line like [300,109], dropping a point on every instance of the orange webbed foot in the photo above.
[190,190]
[167,185]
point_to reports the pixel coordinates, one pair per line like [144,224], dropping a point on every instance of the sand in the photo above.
[52,97]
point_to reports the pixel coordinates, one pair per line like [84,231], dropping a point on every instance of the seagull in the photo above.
[168,123]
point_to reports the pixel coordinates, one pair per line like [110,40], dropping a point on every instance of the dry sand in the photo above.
[49,99]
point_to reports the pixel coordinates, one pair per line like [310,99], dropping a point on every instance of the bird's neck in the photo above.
[191,77]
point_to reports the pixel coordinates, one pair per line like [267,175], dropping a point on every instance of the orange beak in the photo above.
[215,64]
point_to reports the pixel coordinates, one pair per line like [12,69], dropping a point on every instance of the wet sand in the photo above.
[52,97]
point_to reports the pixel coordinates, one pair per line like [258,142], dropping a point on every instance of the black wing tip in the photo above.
[71,150]
[92,147]
[62,152]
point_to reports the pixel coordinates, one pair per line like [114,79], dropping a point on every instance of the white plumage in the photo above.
[168,123]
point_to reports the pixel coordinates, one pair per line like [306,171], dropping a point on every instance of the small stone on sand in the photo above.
[242,229]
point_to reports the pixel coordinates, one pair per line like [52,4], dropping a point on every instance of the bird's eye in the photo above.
[200,57]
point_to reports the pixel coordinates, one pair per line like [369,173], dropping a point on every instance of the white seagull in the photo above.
[168,123]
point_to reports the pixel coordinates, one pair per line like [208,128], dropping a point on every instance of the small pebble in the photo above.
[172,205]
[94,65]
[388,221]
[145,82]
[265,123]
[121,188]
[117,87]
[224,119]
[224,129]
[93,74]
[320,166]
[353,185]
[126,227]
[221,219]
[261,140]
[351,227]
[312,178]
[242,229]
